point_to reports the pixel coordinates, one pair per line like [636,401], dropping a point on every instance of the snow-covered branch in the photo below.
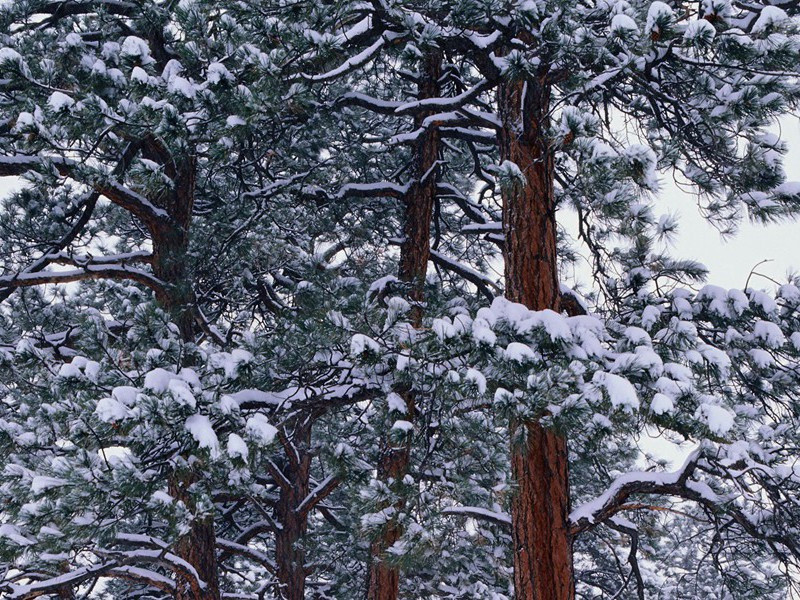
[89,271]
[613,499]
[482,514]
[135,203]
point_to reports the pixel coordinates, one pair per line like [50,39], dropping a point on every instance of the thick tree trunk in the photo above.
[384,578]
[542,545]
[290,556]
[170,246]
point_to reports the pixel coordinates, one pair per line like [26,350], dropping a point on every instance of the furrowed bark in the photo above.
[198,548]
[384,578]
[289,553]
[540,507]
[170,246]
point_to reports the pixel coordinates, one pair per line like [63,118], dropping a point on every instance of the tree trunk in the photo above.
[539,509]
[170,246]
[384,579]
[290,556]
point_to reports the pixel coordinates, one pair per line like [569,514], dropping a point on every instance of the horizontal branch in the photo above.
[87,272]
[155,218]
[613,500]
[476,278]
[482,514]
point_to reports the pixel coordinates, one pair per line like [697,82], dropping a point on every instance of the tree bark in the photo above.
[384,579]
[170,247]
[542,546]
[198,548]
[290,555]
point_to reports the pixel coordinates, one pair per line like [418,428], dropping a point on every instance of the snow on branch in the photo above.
[232,548]
[384,107]
[352,63]
[85,272]
[613,500]
[52,585]
[382,189]
[135,203]
[443,104]
[146,576]
[482,514]
[318,494]
[476,278]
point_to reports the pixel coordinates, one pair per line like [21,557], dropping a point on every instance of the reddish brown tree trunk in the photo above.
[384,578]
[198,547]
[542,545]
[170,245]
[290,555]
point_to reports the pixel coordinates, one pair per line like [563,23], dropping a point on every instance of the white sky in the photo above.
[731,260]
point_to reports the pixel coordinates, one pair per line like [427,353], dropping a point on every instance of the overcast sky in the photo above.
[731,260]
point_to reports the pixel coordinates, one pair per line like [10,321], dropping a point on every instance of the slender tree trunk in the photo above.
[290,556]
[384,578]
[542,545]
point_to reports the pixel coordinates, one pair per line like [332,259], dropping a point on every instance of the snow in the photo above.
[59,101]
[180,392]
[125,394]
[770,17]
[620,391]
[520,353]
[237,448]
[621,23]
[139,75]
[661,404]
[42,483]
[362,343]
[589,510]
[396,403]
[235,121]
[161,497]
[69,371]
[10,55]
[699,30]
[718,419]
[92,370]
[379,285]
[217,72]
[404,426]
[658,12]
[202,431]
[479,512]
[650,316]
[761,358]
[482,332]
[136,47]
[158,380]
[260,429]
[110,410]
[769,333]
[13,533]
[181,85]
[763,300]
[478,378]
